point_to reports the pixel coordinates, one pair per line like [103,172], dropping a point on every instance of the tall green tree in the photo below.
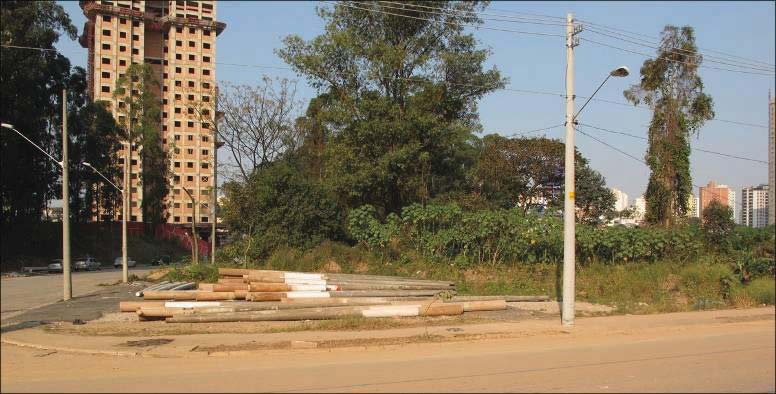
[671,86]
[528,171]
[94,138]
[402,94]
[30,99]
[138,94]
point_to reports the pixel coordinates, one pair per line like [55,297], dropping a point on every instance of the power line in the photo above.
[627,32]
[447,23]
[23,47]
[532,131]
[444,11]
[696,149]
[639,160]
[416,79]
[709,59]
[676,61]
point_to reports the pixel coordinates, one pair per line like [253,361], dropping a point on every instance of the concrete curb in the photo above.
[70,350]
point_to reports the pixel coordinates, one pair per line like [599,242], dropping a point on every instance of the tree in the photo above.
[31,100]
[526,172]
[138,94]
[593,198]
[258,127]
[401,96]
[280,206]
[717,222]
[671,86]
[94,138]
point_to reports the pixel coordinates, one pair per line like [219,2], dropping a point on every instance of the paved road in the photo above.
[711,357]
[24,293]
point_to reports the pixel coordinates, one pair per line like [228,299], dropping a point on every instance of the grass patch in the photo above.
[758,292]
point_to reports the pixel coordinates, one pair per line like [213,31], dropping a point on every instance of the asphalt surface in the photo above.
[22,294]
[715,356]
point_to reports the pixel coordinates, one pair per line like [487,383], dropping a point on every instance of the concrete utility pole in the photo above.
[126,195]
[569,247]
[66,275]
[214,197]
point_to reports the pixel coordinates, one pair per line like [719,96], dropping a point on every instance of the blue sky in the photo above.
[745,29]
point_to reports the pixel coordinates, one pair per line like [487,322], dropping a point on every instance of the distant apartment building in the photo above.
[755,205]
[178,40]
[691,206]
[721,193]
[694,208]
[621,199]
[771,159]
[639,208]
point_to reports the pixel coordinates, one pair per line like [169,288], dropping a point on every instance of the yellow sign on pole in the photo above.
[571,195]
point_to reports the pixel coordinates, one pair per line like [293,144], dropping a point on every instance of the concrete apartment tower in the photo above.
[178,40]
[771,160]
[721,193]
[621,199]
[755,206]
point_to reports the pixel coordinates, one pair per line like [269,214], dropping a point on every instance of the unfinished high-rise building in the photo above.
[178,40]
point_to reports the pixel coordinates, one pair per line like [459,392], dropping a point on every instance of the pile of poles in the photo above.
[264,295]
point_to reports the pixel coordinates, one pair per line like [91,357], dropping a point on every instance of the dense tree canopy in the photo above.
[400,99]
[527,172]
[31,100]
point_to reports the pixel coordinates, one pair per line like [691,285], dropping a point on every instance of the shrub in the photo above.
[279,206]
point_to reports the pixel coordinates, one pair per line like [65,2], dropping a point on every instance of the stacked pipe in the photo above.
[265,295]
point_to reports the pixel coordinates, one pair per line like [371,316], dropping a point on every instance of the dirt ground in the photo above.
[712,351]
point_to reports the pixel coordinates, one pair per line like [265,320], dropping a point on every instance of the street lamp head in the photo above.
[6,125]
[622,71]
[86,163]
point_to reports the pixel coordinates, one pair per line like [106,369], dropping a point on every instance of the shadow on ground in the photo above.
[84,308]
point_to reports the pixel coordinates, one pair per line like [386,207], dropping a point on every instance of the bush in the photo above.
[280,207]
[447,233]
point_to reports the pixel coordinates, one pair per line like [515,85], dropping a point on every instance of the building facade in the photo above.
[178,40]
[755,205]
[621,199]
[771,159]
[721,193]
[639,208]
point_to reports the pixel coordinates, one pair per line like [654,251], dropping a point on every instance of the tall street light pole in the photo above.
[68,290]
[569,214]
[124,269]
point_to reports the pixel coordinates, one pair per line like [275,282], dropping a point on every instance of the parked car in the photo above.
[87,264]
[118,261]
[161,260]
[56,266]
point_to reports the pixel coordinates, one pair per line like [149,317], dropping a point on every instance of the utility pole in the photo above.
[214,197]
[125,196]
[569,216]
[66,277]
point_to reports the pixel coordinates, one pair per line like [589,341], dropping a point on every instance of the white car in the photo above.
[118,261]
[86,264]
